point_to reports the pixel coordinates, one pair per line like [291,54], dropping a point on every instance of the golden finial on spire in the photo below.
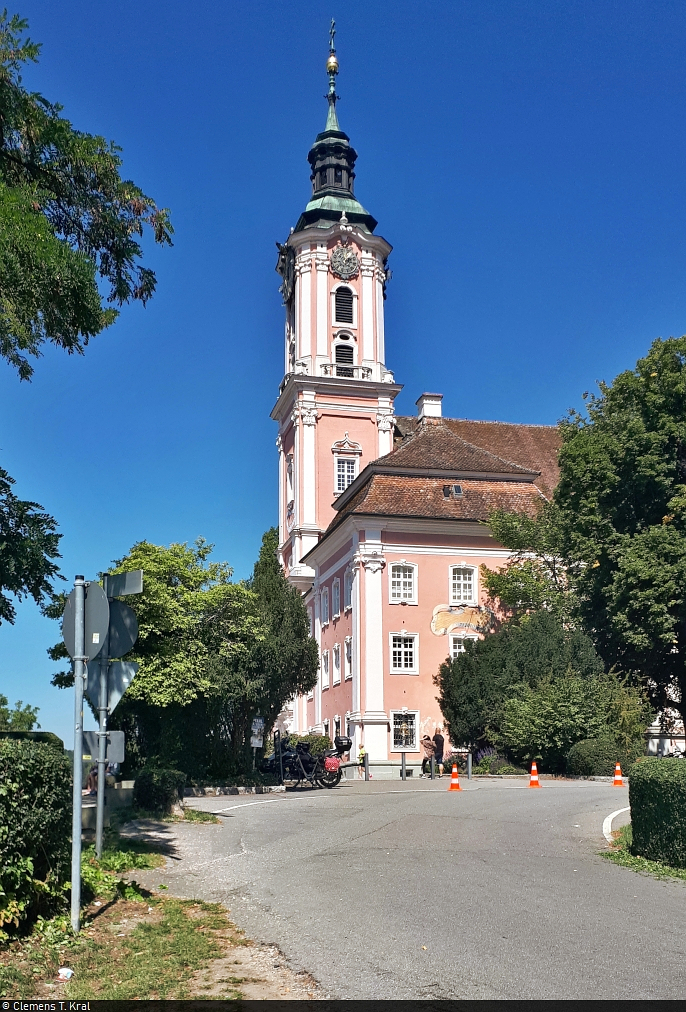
[332,62]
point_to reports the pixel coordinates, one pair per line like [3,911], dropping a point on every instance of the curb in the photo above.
[216,792]
[607,823]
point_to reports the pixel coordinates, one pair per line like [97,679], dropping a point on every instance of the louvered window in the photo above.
[344,305]
[344,360]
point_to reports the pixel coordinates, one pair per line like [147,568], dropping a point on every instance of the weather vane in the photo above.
[332,34]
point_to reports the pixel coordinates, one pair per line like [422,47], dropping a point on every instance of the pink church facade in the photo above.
[382,519]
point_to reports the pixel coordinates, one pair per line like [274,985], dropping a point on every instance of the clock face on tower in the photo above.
[344,263]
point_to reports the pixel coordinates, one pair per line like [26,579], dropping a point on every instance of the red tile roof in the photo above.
[534,447]
[497,465]
[436,446]
[391,495]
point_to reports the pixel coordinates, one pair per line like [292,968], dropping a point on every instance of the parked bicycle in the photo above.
[293,766]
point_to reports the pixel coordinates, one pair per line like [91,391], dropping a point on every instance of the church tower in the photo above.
[335,404]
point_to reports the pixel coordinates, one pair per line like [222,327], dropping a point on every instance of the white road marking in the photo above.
[607,824]
[247,804]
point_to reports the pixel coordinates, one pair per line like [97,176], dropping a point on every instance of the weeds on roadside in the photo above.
[620,854]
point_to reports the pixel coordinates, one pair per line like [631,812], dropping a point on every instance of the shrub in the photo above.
[657,796]
[157,790]
[35,831]
[596,757]
[318,743]
[503,767]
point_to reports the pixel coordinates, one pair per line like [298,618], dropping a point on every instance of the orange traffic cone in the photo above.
[533,782]
[618,782]
[454,780]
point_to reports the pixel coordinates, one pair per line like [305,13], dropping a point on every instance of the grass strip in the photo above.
[621,854]
[155,961]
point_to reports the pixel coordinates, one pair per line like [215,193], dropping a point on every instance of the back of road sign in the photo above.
[97,618]
[123,628]
[120,676]
[115,746]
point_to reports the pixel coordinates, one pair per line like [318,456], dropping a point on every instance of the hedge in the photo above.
[35,832]
[657,796]
[158,789]
[319,743]
[596,757]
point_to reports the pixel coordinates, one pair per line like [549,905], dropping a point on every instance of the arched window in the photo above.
[345,357]
[344,305]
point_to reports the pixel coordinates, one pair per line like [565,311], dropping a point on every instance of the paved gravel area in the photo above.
[406,891]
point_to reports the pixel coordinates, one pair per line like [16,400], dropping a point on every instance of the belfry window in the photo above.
[344,305]
[338,176]
[322,177]
[345,357]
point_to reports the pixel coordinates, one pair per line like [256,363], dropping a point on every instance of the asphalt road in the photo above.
[385,890]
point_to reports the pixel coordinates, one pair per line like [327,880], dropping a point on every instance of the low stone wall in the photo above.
[204,792]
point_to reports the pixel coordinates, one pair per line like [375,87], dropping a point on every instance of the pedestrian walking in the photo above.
[428,749]
[439,745]
[360,760]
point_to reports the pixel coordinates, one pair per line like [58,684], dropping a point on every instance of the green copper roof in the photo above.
[332,118]
[332,159]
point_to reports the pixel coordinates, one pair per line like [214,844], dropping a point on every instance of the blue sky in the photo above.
[526,160]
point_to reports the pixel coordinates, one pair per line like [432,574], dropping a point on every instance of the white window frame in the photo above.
[325,670]
[325,606]
[475,585]
[347,591]
[459,638]
[347,460]
[414,670]
[326,724]
[336,598]
[336,680]
[412,598]
[405,748]
[348,658]
[342,323]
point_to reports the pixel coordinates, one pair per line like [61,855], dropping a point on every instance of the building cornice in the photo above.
[337,538]
[295,382]
[321,236]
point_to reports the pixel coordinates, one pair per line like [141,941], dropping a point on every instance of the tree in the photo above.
[28,545]
[21,718]
[282,661]
[543,722]
[622,503]
[66,217]
[474,685]
[212,654]
[535,575]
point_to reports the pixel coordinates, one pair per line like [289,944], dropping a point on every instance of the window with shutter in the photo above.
[344,305]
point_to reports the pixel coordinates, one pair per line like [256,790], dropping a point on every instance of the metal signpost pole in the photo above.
[79,674]
[103,702]
[469,766]
[403,769]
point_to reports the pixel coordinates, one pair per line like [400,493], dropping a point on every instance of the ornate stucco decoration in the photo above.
[372,561]
[285,266]
[346,446]
[309,416]
[385,421]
